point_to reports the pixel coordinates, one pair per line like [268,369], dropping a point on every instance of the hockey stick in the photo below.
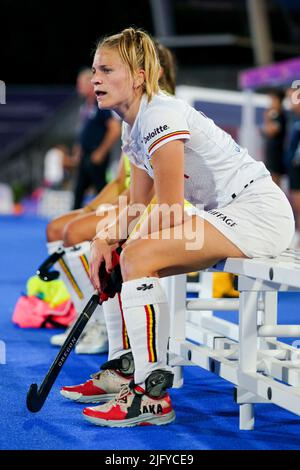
[36,397]
[111,284]
[44,272]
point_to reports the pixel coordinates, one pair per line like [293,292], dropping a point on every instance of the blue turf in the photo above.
[207,417]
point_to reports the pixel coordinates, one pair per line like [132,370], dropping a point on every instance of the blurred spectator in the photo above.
[57,161]
[274,131]
[98,133]
[293,160]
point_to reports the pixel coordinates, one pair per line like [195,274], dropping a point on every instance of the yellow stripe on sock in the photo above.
[71,278]
[85,264]
[151,337]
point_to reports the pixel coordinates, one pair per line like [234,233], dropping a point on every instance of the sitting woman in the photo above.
[213,201]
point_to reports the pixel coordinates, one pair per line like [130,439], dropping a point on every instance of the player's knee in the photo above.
[128,262]
[69,235]
[134,262]
[53,232]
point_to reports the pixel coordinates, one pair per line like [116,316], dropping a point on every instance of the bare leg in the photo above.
[164,257]
[56,227]
[196,244]
[80,229]
[84,227]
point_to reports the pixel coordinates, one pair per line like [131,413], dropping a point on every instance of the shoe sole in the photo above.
[101,350]
[57,343]
[79,398]
[146,419]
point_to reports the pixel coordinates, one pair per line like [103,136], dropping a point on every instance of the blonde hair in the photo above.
[167,80]
[138,52]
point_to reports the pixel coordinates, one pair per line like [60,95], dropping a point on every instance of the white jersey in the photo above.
[216,168]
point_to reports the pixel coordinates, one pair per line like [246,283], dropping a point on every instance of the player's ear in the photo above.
[139,79]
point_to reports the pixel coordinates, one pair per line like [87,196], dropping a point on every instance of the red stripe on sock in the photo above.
[125,338]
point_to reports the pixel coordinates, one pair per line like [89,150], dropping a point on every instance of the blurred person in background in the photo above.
[274,132]
[59,166]
[292,160]
[98,133]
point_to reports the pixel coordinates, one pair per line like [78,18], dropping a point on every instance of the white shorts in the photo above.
[259,221]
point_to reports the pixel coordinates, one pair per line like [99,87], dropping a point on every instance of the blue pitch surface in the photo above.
[207,417]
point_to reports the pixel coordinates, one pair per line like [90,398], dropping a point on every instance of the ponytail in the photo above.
[167,80]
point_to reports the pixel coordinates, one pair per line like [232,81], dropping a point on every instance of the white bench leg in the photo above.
[178,376]
[176,292]
[248,348]
[247,417]
[270,314]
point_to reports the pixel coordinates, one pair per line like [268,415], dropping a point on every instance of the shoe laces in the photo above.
[103,373]
[125,390]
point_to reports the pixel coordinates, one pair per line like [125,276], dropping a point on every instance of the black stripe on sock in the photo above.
[153,333]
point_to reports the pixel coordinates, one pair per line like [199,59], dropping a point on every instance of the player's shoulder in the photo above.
[164,101]
[163,106]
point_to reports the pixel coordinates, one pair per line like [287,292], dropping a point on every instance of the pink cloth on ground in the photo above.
[32,312]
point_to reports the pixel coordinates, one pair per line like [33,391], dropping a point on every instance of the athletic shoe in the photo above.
[132,407]
[105,384]
[93,340]
[58,340]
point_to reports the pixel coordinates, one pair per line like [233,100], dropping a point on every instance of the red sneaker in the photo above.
[105,384]
[132,407]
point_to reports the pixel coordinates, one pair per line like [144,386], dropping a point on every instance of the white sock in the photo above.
[53,246]
[74,271]
[58,266]
[75,266]
[98,315]
[147,319]
[116,329]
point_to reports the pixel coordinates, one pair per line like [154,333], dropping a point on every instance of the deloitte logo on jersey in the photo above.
[155,132]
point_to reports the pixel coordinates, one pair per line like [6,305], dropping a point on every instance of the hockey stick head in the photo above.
[44,272]
[36,397]
[33,400]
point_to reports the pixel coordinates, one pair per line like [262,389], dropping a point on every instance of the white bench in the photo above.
[248,354]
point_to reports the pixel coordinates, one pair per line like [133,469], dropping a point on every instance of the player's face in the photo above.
[113,84]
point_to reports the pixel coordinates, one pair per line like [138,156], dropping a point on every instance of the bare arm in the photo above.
[106,239]
[141,193]
[168,208]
